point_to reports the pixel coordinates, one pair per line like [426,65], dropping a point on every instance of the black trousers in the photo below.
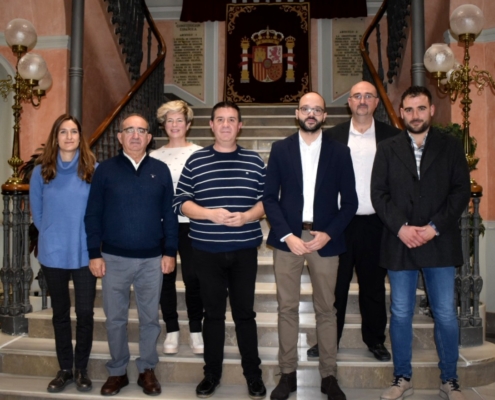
[363,237]
[168,297]
[57,280]
[231,274]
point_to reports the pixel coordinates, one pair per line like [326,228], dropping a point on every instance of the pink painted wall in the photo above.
[49,19]
[106,78]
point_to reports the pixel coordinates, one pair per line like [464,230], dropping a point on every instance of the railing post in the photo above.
[469,282]
[16,271]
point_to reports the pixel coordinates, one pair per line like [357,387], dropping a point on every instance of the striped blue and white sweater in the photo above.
[233,181]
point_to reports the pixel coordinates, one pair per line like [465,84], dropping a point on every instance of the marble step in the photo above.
[14,387]
[270,110]
[40,326]
[357,368]
[265,299]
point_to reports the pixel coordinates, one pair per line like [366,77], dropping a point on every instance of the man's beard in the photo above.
[421,129]
[308,129]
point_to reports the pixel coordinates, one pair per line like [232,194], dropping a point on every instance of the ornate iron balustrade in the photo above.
[146,95]
[397,13]
[385,111]
[16,273]
[128,17]
[468,281]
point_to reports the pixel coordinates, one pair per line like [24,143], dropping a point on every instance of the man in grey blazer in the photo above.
[419,188]
[362,134]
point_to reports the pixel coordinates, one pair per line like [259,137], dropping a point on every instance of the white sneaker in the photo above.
[171,343]
[450,390]
[399,389]
[196,342]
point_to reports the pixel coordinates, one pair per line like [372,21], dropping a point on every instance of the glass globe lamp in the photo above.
[439,59]
[467,21]
[32,67]
[20,35]
[45,83]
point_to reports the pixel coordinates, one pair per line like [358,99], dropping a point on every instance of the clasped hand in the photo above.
[225,217]
[299,247]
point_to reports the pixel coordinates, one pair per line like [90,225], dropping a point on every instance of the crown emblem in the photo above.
[267,36]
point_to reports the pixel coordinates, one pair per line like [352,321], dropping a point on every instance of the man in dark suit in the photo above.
[306,174]
[362,236]
[419,188]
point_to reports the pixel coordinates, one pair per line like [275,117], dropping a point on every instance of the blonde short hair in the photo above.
[178,106]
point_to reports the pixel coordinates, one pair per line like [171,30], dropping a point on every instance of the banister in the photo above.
[97,134]
[394,119]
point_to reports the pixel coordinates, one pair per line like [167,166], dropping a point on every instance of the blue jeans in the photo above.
[439,284]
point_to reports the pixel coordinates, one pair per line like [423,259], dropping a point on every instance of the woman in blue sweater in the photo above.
[58,194]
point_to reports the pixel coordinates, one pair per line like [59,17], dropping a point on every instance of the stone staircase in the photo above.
[27,363]
[261,126]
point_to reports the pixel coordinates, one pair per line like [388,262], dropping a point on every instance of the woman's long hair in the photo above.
[48,159]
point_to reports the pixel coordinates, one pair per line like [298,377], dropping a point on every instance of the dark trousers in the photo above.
[363,236]
[168,297]
[57,280]
[230,274]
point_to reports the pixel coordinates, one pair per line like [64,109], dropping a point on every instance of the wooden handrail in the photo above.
[128,96]
[376,78]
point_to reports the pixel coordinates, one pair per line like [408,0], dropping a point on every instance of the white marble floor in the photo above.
[35,387]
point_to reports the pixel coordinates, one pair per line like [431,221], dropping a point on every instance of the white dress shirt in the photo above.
[363,150]
[310,155]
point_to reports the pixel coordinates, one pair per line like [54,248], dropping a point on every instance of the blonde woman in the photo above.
[176,117]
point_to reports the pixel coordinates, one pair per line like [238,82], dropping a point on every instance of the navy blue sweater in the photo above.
[129,212]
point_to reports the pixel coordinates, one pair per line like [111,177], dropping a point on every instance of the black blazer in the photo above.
[283,197]
[399,196]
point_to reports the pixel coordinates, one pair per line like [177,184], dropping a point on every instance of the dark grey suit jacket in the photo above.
[399,196]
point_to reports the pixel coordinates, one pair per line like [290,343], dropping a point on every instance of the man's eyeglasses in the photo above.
[366,96]
[316,110]
[131,130]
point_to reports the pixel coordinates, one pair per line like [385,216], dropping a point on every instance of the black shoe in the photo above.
[256,388]
[380,352]
[63,378]
[313,352]
[286,385]
[207,386]
[83,382]
[330,387]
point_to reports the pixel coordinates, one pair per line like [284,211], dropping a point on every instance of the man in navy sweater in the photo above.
[220,191]
[132,240]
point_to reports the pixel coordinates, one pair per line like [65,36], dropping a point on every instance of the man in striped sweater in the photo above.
[220,191]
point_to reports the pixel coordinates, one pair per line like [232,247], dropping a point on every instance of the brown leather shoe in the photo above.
[113,385]
[147,380]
